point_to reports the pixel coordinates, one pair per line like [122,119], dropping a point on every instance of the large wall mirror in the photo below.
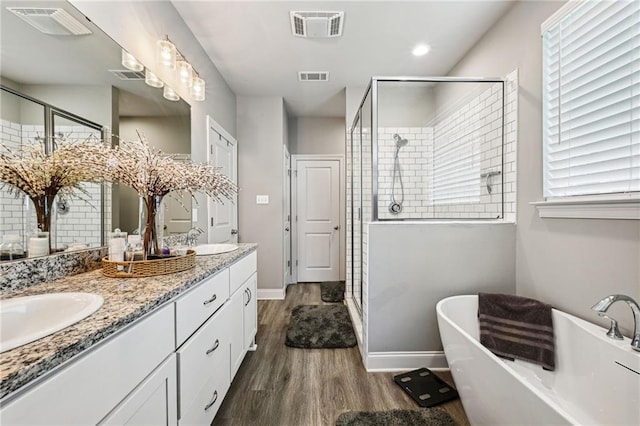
[76,86]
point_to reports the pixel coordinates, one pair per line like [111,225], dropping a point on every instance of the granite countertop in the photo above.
[125,300]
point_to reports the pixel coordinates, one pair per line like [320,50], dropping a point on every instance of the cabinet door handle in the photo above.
[206,302]
[215,346]
[215,398]
[248,292]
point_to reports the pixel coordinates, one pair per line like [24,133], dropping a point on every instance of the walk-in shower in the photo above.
[396,202]
[428,149]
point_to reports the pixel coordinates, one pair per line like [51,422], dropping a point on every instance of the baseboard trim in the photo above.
[400,361]
[271,293]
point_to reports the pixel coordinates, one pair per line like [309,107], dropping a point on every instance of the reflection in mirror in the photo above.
[21,122]
[83,76]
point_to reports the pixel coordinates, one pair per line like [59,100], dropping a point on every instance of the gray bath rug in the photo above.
[332,291]
[320,326]
[429,416]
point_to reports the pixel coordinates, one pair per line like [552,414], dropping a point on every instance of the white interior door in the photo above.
[287,218]
[318,210]
[176,210]
[223,220]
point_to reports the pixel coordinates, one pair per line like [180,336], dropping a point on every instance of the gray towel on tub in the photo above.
[517,327]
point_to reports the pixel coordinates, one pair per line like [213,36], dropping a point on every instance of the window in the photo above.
[591,100]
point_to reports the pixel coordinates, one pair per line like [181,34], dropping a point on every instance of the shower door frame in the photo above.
[372,88]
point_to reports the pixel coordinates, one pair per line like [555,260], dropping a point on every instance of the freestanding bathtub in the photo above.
[596,381]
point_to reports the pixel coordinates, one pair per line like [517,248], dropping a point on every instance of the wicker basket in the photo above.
[148,268]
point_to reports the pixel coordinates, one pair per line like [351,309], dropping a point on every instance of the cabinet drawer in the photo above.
[206,404]
[86,390]
[242,270]
[204,357]
[195,307]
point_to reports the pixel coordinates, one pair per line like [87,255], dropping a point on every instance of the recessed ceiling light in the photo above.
[421,49]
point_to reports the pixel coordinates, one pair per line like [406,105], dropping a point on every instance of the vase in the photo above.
[43,205]
[152,233]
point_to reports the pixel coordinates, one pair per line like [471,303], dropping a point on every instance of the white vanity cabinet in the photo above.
[204,368]
[243,304]
[173,366]
[153,402]
[87,390]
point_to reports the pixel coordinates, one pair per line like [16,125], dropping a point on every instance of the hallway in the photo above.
[278,385]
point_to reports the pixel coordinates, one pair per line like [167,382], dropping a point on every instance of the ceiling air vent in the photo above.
[52,21]
[128,74]
[316,24]
[313,76]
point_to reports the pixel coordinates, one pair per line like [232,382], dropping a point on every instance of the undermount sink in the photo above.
[207,249]
[29,318]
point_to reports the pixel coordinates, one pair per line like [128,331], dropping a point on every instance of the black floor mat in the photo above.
[425,388]
[332,291]
[320,326]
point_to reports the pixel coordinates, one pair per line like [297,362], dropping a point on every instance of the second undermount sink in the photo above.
[207,249]
[29,318]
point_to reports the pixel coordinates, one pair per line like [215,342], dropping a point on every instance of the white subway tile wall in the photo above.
[11,207]
[473,130]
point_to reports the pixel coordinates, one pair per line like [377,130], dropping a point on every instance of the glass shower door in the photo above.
[356,214]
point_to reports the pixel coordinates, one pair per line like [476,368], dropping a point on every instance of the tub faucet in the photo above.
[192,236]
[603,305]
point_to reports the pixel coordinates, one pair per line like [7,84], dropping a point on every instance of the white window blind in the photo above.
[456,170]
[591,99]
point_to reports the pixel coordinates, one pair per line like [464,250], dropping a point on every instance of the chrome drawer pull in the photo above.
[215,346]
[215,398]
[206,302]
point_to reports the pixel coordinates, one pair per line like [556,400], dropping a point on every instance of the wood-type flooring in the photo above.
[281,386]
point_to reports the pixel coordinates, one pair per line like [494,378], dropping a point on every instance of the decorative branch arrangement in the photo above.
[153,174]
[150,172]
[42,176]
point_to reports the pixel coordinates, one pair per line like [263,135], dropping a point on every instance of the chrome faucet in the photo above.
[603,305]
[192,236]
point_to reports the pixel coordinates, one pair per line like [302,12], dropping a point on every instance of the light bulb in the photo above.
[185,73]
[170,94]
[166,54]
[151,79]
[421,49]
[198,89]
[130,62]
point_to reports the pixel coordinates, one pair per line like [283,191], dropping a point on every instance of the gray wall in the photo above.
[569,263]
[136,26]
[317,135]
[261,134]
[434,261]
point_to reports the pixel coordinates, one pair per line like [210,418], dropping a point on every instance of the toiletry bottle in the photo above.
[117,241]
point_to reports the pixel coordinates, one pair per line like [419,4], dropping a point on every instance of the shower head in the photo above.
[399,141]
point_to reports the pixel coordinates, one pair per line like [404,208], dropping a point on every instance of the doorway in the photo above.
[222,153]
[318,218]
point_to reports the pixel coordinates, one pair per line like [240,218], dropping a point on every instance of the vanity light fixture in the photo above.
[421,50]
[151,79]
[185,75]
[198,89]
[184,72]
[170,94]
[130,62]
[166,52]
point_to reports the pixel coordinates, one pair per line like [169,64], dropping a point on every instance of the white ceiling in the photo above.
[251,44]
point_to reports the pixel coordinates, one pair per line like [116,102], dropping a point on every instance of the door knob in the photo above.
[286,229]
[335,228]
[234,231]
